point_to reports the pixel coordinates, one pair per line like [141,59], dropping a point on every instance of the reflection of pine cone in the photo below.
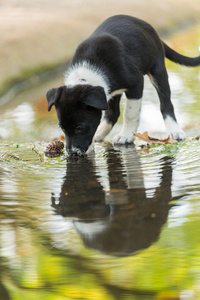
[56,147]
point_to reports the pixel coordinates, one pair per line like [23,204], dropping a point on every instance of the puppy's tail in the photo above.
[181,59]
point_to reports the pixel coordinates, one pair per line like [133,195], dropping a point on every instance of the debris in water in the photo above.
[54,149]
[149,140]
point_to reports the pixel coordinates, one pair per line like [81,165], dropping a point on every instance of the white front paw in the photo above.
[178,135]
[103,130]
[123,138]
[98,138]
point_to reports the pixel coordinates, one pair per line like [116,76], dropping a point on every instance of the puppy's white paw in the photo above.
[98,138]
[178,135]
[103,130]
[123,138]
[174,129]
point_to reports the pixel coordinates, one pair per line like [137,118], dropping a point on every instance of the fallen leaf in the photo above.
[150,140]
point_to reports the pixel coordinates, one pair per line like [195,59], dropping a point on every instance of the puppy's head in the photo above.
[78,110]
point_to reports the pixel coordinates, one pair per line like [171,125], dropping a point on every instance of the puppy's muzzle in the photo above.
[76,152]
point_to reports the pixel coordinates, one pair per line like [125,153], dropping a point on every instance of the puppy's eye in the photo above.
[80,128]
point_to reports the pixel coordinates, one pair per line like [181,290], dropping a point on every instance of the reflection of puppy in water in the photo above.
[114,212]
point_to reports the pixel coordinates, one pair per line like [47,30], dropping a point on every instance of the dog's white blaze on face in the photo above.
[174,129]
[131,118]
[89,73]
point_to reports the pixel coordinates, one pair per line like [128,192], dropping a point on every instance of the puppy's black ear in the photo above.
[96,98]
[52,96]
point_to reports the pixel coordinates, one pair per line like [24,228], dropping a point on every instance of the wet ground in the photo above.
[122,223]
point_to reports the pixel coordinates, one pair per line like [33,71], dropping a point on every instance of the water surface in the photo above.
[121,223]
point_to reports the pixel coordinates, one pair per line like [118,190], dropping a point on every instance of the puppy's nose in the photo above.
[73,154]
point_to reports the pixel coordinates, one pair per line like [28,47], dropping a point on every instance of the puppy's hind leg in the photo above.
[109,119]
[159,79]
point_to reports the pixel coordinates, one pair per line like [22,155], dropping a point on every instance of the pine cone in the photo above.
[54,148]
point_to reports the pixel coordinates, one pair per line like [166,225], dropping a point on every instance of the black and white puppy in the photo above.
[112,61]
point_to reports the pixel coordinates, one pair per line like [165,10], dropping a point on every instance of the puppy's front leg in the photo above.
[110,118]
[103,130]
[131,118]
